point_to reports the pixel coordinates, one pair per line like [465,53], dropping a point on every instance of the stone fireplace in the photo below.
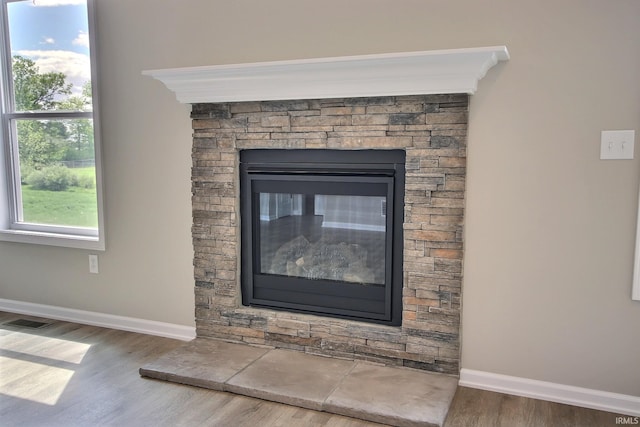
[428,125]
[430,129]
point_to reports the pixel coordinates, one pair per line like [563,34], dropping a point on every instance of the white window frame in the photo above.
[635,287]
[10,229]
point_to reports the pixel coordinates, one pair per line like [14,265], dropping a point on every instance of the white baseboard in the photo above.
[570,395]
[131,324]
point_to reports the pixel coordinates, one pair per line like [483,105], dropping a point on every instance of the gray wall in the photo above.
[550,228]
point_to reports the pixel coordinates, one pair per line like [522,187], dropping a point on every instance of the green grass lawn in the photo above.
[73,207]
[88,171]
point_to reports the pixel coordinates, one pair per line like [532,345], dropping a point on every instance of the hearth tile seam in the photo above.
[225,384]
[339,383]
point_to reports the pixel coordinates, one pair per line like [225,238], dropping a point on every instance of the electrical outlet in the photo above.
[617,144]
[93,264]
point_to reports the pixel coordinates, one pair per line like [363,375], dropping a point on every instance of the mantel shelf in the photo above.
[393,74]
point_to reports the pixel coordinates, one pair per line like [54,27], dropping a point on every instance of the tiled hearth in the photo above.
[392,396]
[432,131]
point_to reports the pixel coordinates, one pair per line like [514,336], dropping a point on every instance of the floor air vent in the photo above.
[24,323]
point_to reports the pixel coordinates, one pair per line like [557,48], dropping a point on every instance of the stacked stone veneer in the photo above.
[432,129]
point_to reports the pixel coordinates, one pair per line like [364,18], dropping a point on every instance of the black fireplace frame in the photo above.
[333,172]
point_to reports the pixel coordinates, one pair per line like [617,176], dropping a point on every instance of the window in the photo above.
[635,289]
[50,191]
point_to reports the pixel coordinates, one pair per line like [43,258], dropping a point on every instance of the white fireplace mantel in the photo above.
[393,74]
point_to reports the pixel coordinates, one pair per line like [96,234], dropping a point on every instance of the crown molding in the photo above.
[392,74]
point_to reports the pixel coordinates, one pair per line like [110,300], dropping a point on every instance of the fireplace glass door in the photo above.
[321,237]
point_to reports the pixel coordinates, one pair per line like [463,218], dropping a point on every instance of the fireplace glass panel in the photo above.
[323,237]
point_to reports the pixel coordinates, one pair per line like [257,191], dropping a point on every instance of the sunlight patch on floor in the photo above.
[33,381]
[39,346]
[37,368]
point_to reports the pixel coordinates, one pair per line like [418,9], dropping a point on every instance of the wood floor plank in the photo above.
[70,375]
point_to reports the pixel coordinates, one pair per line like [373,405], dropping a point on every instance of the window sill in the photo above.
[53,239]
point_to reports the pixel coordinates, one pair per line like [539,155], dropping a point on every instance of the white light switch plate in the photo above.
[617,144]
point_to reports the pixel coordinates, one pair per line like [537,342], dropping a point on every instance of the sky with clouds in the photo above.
[54,34]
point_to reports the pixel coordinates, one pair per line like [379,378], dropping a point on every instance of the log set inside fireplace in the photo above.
[322,232]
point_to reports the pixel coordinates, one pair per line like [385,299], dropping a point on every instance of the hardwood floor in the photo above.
[67,374]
